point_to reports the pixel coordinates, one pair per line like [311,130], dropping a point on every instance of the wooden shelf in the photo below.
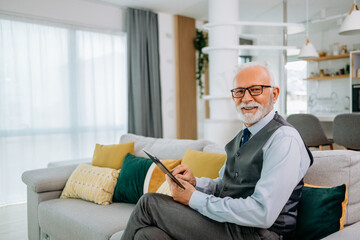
[328,77]
[346,55]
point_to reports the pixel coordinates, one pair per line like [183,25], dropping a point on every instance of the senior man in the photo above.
[259,188]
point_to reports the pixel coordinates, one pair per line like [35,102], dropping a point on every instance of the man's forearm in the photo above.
[208,185]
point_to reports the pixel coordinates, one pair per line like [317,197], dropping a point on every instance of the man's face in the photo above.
[254,108]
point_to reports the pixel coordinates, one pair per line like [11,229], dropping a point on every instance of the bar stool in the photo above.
[346,130]
[310,130]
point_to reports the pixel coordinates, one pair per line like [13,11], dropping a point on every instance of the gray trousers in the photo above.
[157,216]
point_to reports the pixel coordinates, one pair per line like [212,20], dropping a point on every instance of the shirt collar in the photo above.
[254,129]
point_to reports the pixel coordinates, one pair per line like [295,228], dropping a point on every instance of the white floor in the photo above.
[13,222]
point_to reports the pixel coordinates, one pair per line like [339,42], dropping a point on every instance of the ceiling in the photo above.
[250,10]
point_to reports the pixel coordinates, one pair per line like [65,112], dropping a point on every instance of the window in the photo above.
[296,87]
[62,90]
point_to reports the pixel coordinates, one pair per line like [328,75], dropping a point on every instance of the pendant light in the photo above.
[308,50]
[351,24]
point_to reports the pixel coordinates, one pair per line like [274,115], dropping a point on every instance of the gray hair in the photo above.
[256,64]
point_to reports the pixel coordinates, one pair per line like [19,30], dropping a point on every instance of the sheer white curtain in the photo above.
[61,91]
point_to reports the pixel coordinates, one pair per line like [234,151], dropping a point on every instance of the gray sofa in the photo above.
[62,219]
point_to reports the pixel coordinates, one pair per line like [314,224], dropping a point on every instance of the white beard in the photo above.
[250,118]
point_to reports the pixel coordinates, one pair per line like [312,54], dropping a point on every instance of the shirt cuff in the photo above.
[200,183]
[197,200]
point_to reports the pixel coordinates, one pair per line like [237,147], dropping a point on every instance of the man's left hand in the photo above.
[180,195]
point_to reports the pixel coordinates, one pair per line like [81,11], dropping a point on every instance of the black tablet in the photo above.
[163,168]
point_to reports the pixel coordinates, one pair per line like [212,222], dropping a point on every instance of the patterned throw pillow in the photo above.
[95,184]
[164,189]
[155,177]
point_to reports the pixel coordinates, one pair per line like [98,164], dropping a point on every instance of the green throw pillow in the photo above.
[320,210]
[129,187]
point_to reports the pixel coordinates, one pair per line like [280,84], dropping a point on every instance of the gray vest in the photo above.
[243,169]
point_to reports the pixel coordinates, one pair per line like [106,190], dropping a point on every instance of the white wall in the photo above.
[324,36]
[331,36]
[75,12]
[167,74]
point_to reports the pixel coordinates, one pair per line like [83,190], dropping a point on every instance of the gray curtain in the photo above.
[145,117]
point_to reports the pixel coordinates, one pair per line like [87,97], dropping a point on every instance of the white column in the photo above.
[223,123]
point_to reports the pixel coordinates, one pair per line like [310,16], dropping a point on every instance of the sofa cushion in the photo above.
[163,148]
[155,177]
[349,232]
[215,148]
[204,164]
[117,236]
[95,184]
[164,189]
[82,220]
[129,187]
[321,211]
[111,156]
[336,167]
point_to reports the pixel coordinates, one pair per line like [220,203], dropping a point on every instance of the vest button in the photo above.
[238,154]
[236,174]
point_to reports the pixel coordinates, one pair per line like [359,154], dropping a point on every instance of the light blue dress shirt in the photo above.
[284,165]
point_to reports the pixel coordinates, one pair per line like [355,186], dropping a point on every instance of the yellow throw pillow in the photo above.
[111,156]
[155,177]
[95,184]
[204,164]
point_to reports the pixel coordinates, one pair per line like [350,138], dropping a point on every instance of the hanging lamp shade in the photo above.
[308,51]
[351,24]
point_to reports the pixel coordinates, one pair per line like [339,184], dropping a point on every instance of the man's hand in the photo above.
[180,195]
[183,172]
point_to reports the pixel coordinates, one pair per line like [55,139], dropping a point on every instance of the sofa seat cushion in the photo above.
[348,233]
[163,148]
[78,219]
[117,236]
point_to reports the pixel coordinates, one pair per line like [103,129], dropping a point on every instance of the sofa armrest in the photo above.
[48,179]
[69,162]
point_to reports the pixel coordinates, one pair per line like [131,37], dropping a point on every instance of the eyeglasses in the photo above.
[253,90]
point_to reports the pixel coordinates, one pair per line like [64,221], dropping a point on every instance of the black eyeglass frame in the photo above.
[248,89]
